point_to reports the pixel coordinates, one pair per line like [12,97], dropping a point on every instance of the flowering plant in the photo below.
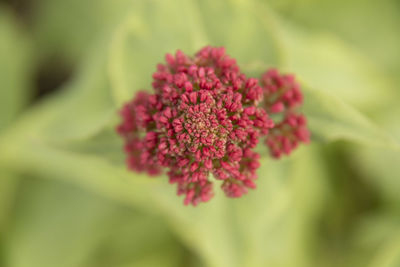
[208,122]
[206,117]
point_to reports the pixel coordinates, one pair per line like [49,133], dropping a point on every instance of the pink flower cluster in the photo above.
[204,119]
[282,95]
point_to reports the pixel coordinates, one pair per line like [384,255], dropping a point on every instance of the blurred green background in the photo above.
[66,200]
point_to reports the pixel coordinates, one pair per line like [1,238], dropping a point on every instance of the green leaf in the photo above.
[79,110]
[59,225]
[55,227]
[366,24]
[68,29]
[85,170]
[380,166]
[250,37]
[139,239]
[332,119]
[377,241]
[330,64]
[8,186]
[389,256]
[15,68]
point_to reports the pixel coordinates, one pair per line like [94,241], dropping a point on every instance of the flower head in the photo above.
[202,120]
[287,134]
[282,94]
[281,91]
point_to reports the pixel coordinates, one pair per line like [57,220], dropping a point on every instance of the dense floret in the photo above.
[202,120]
